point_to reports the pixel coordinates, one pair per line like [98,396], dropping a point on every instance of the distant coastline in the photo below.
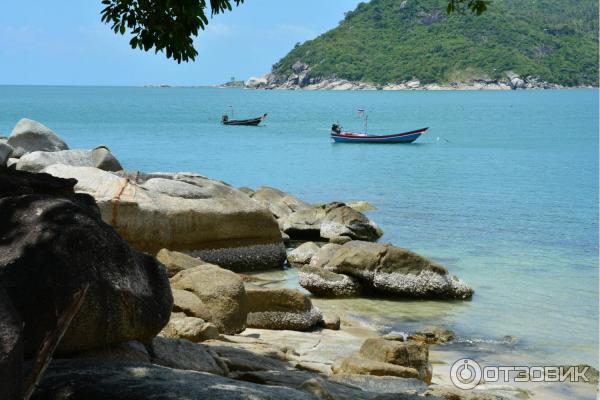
[300,81]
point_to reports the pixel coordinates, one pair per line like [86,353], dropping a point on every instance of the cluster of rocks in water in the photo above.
[167,314]
[301,78]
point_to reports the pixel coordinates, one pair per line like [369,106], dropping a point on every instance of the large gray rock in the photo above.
[329,221]
[228,227]
[214,294]
[6,151]
[105,160]
[99,158]
[55,246]
[281,309]
[11,350]
[392,270]
[325,283]
[29,135]
[92,380]
[278,202]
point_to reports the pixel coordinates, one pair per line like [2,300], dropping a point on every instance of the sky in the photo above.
[64,43]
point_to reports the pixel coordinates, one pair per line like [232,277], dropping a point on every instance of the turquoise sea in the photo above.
[503,189]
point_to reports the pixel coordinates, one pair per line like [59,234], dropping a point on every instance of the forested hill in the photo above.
[393,41]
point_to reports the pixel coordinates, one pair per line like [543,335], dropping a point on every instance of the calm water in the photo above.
[506,198]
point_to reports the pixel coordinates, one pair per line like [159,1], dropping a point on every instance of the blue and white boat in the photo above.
[340,136]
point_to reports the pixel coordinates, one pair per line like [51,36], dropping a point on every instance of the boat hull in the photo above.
[406,137]
[247,122]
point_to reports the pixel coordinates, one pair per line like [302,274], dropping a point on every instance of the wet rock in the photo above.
[213,294]
[29,135]
[302,254]
[410,355]
[224,223]
[54,248]
[392,270]
[87,380]
[432,335]
[281,309]
[325,283]
[183,354]
[176,262]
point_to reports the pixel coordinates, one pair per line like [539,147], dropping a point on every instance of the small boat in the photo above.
[252,121]
[353,137]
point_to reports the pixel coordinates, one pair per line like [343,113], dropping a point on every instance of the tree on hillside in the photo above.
[171,25]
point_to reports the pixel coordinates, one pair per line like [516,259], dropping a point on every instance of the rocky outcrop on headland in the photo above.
[302,79]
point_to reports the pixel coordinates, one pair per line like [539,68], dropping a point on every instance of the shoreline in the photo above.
[84,166]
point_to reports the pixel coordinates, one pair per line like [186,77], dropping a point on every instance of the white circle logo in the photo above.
[465,374]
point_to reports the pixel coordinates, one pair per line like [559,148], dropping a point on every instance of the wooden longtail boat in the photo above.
[353,137]
[252,121]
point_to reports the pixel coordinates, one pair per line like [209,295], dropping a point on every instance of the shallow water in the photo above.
[503,189]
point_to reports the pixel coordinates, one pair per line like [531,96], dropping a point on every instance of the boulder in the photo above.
[103,159]
[6,151]
[362,366]
[332,322]
[176,262]
[281,309]
[29,135]
[329,221]
[324,254]
[11,350]
[410,355]
[100,158]
[183,354]
[302,254]
[214,294]
[392,270]
[16,183]
[52,249]
[325,283]
[279,203]
[225,224]
[89,379]
[190,328]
